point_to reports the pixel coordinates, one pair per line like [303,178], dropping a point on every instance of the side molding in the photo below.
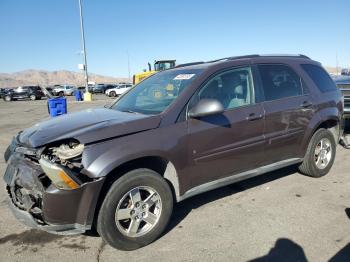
[238,177]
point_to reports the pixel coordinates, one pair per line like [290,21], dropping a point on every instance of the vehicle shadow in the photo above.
[347,212]
[343,255]
[284,250]
[182,209]
[347,126]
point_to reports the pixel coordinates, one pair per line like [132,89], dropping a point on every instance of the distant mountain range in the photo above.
[47,78]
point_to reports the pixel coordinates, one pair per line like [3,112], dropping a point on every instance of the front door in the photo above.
[226,144]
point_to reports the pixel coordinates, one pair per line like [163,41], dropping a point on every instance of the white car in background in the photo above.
[119,90]
[63,90]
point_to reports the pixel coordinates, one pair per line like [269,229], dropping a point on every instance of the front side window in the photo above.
[232,88]
[279,81]
[154,94]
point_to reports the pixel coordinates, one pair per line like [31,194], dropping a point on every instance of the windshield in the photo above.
[154,94]
[160,66]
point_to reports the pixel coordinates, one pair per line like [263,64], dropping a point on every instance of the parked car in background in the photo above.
[109,86]
[178,133]
[24,92]
[101,88]
[343,83]
[98,88]
[345,71]
[3,91]
[118,90]
[63,90]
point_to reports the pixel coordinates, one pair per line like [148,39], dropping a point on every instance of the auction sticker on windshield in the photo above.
[184,76]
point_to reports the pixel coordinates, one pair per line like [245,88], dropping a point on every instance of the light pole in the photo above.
[127,52]
[84,51]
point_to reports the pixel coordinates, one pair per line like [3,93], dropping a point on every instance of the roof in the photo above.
[208,63]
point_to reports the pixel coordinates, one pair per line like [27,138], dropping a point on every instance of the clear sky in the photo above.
[45,34]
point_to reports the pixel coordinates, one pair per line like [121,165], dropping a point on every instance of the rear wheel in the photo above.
[113,94]
[7,98]
[136,210]
[320,154]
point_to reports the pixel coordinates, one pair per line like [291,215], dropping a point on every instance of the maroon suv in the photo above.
[176,134]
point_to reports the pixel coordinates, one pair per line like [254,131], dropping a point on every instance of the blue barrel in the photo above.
[57,106]
[78,95]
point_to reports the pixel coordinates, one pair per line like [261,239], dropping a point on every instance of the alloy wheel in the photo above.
[323,153]
[138,211]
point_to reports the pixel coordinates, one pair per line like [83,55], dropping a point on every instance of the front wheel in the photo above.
[136,210]
[113,94]
[320,154]
[32,97]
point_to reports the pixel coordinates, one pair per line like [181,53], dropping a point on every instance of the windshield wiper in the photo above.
[130,111]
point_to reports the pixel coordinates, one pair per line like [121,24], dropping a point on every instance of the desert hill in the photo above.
[46,78]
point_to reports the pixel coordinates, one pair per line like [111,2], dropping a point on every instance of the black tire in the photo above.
[106,223]
[60,94]
[113,94]
[32,97]
[7,98]
[309,167]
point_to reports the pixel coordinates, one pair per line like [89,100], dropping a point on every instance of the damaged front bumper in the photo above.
[37,203]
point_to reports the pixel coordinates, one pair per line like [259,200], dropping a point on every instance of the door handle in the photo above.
[253,117]
[306,104]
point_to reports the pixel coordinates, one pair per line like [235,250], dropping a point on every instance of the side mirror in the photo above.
[206,107]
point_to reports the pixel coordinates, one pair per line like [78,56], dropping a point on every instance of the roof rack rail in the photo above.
[256,55]
[287,55]
[232,58]
[189,64]
[243,57]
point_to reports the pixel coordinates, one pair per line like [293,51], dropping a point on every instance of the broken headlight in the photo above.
[62,164]
[59,176]
[68,151]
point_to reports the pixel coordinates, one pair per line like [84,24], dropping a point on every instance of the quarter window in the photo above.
[232,88]
[279,81]
[320,77]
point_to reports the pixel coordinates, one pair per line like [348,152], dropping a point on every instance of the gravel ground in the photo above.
[280,216]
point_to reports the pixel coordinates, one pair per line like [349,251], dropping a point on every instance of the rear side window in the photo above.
[279,81]
[320,77]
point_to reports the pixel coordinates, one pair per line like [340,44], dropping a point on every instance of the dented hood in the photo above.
[88,126]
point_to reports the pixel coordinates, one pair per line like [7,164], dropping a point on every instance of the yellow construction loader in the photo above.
[159,65]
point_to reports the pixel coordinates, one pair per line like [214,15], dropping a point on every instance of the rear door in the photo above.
[229,143]
[288,110]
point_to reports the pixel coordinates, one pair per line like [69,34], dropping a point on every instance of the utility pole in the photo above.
[127,52]
[84,49]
